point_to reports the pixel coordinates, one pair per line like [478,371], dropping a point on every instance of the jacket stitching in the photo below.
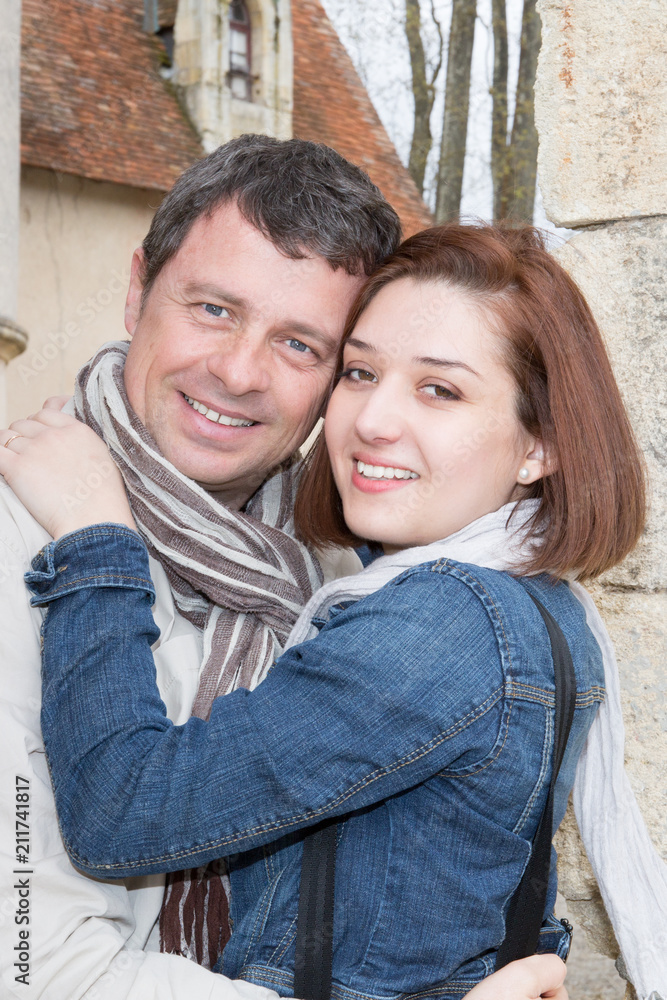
[417,754]
[547,745]
[101,576]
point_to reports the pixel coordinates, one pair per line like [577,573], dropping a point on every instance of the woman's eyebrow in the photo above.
[445,363]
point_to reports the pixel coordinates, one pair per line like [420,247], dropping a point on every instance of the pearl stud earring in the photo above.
[524,473]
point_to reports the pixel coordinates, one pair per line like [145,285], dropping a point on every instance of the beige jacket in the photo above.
[85,938]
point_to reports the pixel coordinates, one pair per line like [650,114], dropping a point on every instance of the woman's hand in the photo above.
[529,979]
[63,473]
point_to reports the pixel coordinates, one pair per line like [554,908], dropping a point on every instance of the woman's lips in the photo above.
[377,485]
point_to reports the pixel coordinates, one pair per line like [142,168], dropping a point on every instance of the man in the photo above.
[235,310]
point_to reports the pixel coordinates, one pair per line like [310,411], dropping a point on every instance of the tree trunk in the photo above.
[499,149]
[523,174]
[457,99]
[422,93]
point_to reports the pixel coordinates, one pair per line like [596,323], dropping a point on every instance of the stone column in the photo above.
[12,339]
[601,111]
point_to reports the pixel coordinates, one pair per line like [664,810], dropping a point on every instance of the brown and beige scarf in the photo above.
[242,578]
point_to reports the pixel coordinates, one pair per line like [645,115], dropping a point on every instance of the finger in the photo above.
[560,994]
[26,427]
[42,419]
[55,402]
[8,454]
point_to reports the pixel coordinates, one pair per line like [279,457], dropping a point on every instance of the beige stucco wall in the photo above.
[76,243]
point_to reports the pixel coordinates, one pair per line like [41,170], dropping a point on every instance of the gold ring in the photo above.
[13,438]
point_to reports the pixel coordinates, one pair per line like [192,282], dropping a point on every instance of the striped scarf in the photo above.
[241,578]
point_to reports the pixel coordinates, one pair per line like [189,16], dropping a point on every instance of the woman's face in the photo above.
[422,428]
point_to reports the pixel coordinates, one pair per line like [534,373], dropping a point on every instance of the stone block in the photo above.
[601,110]
[621,270]
[637,624]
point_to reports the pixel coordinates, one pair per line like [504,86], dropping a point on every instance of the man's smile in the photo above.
[216,416]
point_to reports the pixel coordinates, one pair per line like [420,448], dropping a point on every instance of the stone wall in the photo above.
[601,109]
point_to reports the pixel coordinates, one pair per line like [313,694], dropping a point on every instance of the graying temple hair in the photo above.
[303,196]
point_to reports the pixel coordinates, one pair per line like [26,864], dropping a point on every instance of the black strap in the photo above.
[314,926]
[314,931]
[526,909]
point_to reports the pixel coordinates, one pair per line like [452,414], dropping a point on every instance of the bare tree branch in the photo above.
[423,90]
[457,100]
[441,46]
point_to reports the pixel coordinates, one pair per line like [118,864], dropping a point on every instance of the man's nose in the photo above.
[381,417]
[242,363]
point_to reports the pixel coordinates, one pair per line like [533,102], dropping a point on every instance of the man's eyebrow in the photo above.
[204,291]
[361,345]
[328,340]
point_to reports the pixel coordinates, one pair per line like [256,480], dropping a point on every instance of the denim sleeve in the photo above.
[364,711]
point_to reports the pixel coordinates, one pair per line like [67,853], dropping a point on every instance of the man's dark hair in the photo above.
[302,196]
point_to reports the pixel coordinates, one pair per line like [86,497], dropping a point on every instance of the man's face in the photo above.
[233,352]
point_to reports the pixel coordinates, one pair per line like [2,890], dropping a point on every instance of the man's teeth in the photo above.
[384,472]
[217,418]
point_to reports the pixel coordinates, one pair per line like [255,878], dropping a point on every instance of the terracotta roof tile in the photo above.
[93,102]
[331,105]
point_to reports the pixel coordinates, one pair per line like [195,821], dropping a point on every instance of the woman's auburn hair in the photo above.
[593,505]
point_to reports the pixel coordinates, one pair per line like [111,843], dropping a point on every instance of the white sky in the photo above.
[374,35]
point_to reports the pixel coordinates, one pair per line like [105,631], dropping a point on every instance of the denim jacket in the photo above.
[423,714]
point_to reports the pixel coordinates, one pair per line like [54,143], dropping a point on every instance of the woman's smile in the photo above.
[374,475]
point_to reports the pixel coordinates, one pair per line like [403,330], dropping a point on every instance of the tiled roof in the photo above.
[332,105]
[93,102]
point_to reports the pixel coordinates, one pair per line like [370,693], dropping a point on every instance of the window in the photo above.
[239,51]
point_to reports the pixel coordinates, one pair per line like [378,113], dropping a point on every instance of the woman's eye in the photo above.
[440,392]
[298,345]
[358,375]
[213,310]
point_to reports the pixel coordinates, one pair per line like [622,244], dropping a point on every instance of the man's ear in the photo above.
[135,292]
[536,465]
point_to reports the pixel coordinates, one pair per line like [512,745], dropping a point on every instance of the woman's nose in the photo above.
[381,418]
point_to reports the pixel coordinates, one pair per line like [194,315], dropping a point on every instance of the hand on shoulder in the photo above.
[62,472]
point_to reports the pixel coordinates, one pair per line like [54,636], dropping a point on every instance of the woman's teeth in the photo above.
[217,418]
[384,472]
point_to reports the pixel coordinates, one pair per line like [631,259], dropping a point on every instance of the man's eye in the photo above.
[298,345]
[358,375]
[215,310]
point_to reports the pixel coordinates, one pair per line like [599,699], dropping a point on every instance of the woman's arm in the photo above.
[364,711]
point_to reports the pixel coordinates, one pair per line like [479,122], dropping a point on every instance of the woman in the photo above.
[476,434]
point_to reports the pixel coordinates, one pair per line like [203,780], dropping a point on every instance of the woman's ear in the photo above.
[536,464]
[135,292]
